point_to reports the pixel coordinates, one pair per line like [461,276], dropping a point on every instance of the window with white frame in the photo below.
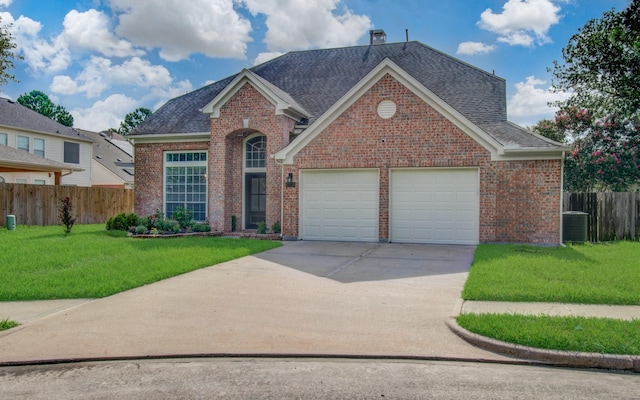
[4,139]
[39,182]
[38,147]
[185,183]
[72,152]
[256,152]
[23,143]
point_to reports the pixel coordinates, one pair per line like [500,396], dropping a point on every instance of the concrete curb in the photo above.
[572,359]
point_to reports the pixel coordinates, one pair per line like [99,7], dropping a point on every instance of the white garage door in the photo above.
[434,206]
[339,205]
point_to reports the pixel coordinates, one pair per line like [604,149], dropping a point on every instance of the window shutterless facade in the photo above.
[38,147]
[4,139]
[23,143]
[185,183]
[72,152]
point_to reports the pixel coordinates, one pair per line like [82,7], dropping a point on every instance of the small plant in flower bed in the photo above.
[184,217]
[122,222]
[201,227]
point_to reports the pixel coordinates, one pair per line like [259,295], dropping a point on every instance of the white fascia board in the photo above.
[171,138]
[387,66]
[247,77]
[80,138]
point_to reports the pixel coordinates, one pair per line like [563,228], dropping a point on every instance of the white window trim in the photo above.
[166,164]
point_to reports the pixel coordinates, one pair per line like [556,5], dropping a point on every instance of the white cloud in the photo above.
[471,48]
[266,56]
[179,28]
[104,114]
[522,22]
[530,100]
[90,30]
[39,54]
[5,3]
[303,24]
[100,74]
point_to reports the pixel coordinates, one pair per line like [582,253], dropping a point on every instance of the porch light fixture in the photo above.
[290,182]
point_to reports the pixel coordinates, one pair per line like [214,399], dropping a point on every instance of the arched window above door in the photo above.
[256,152]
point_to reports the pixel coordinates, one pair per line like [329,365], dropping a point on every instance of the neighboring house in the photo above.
[112,164]
[390,142]
[57,154]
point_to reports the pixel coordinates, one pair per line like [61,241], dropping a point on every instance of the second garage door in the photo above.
[434,206]
[339,205]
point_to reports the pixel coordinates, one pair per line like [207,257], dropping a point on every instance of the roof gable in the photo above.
[388,67]
[282,101]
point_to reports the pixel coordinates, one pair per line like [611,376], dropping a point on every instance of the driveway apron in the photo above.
[304,298]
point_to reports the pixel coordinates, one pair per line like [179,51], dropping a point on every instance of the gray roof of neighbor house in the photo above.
[113,152]
[20,159]
[13,114]
[317,79]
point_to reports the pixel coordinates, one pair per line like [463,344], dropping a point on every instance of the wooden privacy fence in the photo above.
[612,216]
[38,204]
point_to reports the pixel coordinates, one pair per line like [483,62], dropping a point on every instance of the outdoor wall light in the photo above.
[290,182]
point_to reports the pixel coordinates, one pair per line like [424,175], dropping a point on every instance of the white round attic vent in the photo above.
[386,109]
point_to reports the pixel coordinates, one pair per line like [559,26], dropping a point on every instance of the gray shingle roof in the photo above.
[107,152]
[16,115]
[316,79]
[14,158]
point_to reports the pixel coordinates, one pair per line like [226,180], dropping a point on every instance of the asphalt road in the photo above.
[310,379]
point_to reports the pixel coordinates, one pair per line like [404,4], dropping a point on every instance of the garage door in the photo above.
[339,205]
[434,206]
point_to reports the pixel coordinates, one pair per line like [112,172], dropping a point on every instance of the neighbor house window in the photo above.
[39,182]
[4,139]
[185,183]
[38,147]
[21,180]
[72,152]
[23,143]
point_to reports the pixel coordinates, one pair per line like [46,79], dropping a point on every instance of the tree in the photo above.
[602,65]
[549,129]
[132,120]
[601,118]
[41,103]
[7,55]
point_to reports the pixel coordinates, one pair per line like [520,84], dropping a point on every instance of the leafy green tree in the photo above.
[7,55]
[602,65]
[601,118]
[41,103]
[549,129]
[132,120]
[604,155]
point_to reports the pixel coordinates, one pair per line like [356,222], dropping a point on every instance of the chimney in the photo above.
[377,36]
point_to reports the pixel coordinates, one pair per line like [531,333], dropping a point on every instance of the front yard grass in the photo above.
[607,273]
[42,263]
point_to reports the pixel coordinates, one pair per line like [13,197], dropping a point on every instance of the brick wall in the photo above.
[519,200]
[148,189]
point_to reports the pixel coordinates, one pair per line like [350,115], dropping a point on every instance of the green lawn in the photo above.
[589,274]
[42,263]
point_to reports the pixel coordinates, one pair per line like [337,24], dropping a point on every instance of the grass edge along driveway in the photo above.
[43,263]
[607,273]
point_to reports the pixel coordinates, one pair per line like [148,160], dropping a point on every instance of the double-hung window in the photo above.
[38,147]
[72,152]
[23,143]
[185,183]
[4,139]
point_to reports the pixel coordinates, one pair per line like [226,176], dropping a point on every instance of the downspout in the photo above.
[281,196]
[561,197]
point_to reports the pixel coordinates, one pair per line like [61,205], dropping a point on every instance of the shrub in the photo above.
[184,217]
[141,229]
[122,222]
[262,227]
[275,228]
[202,227]
[65,214]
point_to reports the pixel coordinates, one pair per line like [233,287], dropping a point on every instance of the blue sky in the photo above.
[101,59]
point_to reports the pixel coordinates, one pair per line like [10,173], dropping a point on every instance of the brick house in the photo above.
[388,142]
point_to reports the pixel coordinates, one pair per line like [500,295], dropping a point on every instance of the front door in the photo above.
[255,199]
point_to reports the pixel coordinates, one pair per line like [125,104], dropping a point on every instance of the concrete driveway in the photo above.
[304,298]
